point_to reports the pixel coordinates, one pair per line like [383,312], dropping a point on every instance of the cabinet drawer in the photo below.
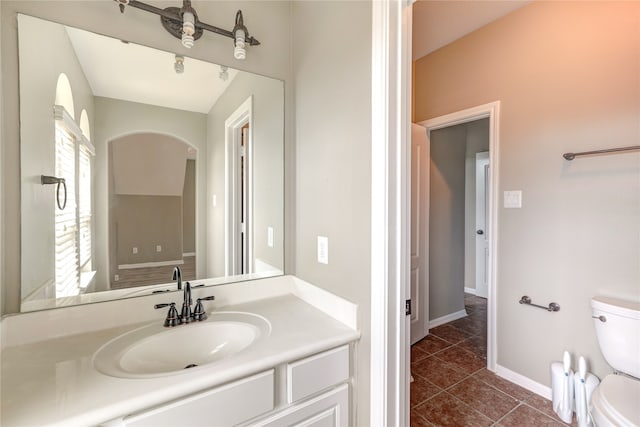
[222,406]
[316,373]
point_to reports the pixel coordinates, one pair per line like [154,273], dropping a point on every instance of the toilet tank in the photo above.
[619,335]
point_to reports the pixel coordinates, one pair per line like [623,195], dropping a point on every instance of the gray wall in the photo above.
[332,65]
[572,87]
[446,221]
[477,141]
[189,208]
[268,167]
[45,54]
[137,224]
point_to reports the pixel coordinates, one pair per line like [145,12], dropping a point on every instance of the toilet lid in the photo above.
[619,397]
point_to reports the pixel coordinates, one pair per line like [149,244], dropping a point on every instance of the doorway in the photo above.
[239,191]
[439,246]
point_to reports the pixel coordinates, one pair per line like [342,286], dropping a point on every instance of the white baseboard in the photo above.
[150,264]
[471,291]
[525,382]
[448,318]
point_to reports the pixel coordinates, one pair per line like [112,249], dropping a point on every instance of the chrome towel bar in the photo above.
[552,305]
[571,156]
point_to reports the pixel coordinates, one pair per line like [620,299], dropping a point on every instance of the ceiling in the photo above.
[131,72]
[437,23]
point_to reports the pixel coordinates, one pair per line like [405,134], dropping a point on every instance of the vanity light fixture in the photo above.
[183,23]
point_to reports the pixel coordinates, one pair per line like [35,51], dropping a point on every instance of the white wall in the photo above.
[269,21]
[332,68]
[572,86]
[268,167]
[46,52]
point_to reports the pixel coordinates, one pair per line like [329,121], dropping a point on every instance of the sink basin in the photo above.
[155,351]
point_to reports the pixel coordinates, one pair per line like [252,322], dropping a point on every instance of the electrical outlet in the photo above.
[323,250]
[135,250]
[158,248]
[116,277]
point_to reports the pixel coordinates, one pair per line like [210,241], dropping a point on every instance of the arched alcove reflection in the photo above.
[152,208]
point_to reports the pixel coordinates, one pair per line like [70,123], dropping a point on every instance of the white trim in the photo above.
[69,124]
[525,382]
[471,291]
[447,318]
[492,111]
[188,254]
[390,211]
[149,264]
[233,124]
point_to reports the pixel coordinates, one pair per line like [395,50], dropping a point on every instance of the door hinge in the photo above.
[407,307]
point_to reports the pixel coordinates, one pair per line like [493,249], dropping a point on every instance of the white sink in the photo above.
[155,351]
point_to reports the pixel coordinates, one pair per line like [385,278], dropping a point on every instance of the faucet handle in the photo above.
[198,313]
[172,318]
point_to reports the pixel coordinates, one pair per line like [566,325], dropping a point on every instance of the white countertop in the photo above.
[53,382]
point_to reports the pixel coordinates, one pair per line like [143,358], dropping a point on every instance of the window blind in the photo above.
[73,225]
[66,262]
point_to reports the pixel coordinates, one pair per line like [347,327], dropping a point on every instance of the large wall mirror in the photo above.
[167,162]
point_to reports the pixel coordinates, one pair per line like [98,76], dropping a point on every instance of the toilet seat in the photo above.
[615,402]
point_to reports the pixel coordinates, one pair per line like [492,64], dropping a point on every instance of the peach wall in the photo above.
[567,75]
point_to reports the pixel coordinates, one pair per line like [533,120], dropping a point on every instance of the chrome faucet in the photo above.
[186,314]
[177,275]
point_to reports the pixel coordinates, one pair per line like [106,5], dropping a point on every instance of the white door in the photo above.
[482,232]
[419,233]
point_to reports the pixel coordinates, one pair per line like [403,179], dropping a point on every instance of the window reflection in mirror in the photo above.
[161,169]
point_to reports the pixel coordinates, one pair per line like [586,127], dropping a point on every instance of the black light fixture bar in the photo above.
[172,20]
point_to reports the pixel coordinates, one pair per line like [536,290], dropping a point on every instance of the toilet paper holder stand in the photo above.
[553,306]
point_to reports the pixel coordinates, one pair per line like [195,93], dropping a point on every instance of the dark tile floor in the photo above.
[452,386]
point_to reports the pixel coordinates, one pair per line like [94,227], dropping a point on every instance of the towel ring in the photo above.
[44,179]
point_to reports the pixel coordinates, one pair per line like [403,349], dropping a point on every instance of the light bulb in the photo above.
[239,52]
[188,29]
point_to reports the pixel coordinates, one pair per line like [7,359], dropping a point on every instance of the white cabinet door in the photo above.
[330,409]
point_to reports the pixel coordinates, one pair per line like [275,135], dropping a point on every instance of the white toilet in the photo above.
[616,401]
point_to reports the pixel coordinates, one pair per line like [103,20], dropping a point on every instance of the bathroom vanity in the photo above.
[298,369]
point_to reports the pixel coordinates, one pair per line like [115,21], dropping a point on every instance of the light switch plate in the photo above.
[134,250]
[513,199]
[158,248]
[323,250]
[270,237]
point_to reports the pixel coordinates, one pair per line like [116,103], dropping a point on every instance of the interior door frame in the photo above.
[483,184]
[491,111]
[390,211]
[233,134]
